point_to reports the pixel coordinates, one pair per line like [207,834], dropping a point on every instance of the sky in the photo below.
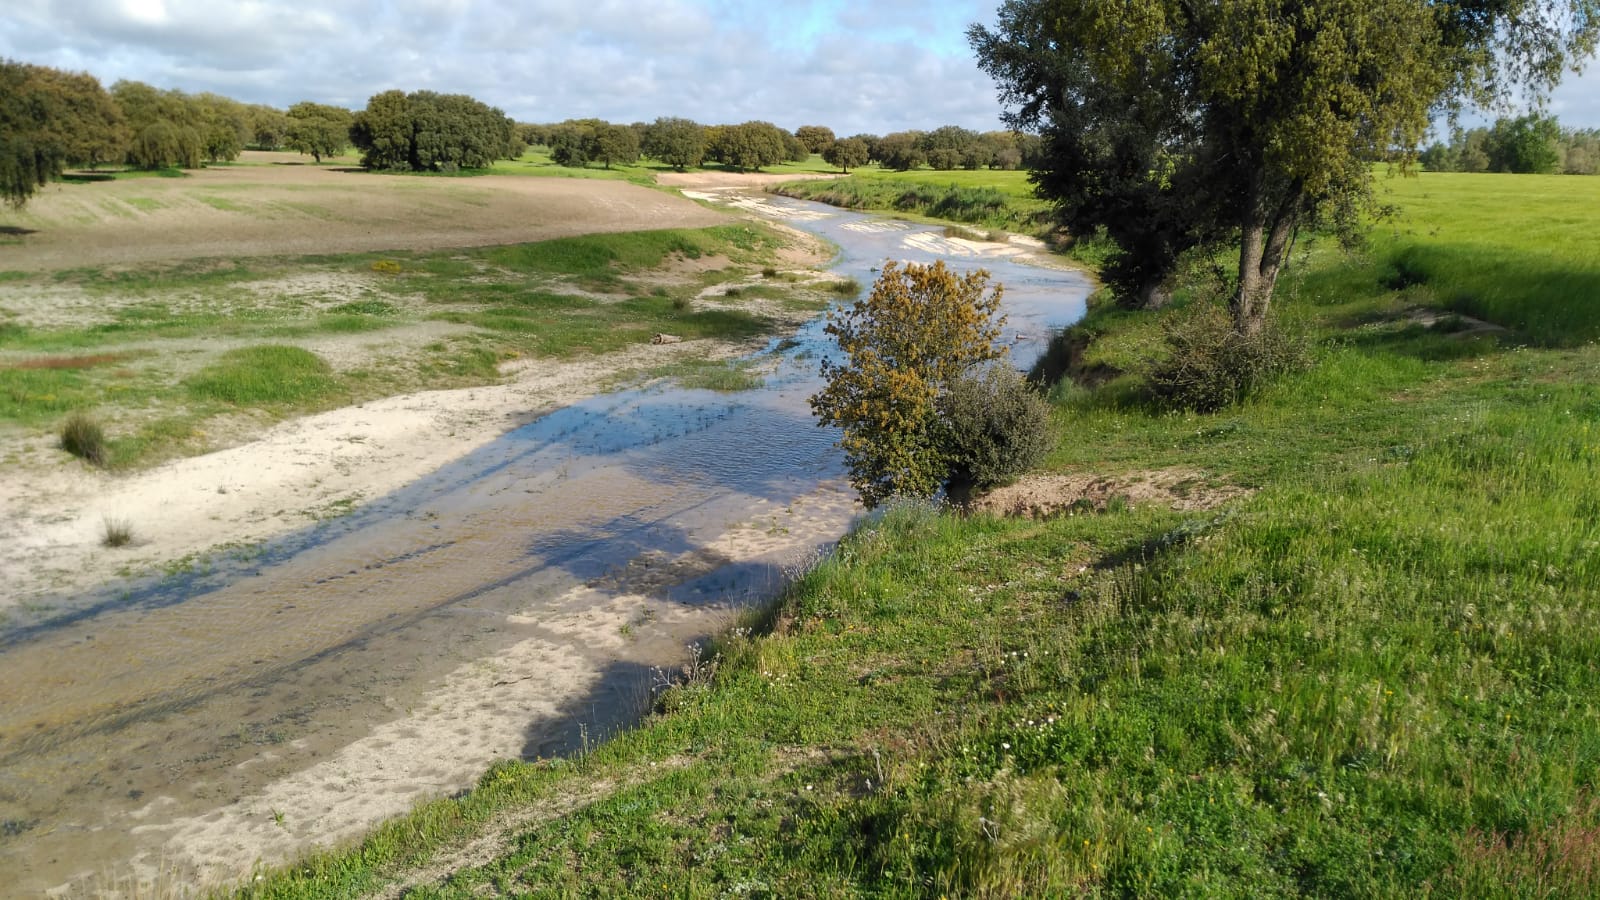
[864,66]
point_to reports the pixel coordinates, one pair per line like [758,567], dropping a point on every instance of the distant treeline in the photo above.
[683,144]
[51,120]
[1526,144]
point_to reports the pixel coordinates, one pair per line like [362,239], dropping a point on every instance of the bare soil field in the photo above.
[272,205]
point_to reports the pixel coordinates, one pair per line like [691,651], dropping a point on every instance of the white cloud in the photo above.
[881,66]
[872,67]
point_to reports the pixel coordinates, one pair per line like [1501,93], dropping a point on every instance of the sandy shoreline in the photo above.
[52,520]
[319,789]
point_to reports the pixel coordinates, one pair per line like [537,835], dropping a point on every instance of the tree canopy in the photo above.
[318,129]
[50,119]
[615,144]
[169,128]
[817,138]
[1173,124]
[426,131]
[751,145]
[680,143]
[846,154]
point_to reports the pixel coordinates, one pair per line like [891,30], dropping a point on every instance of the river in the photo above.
[520,602]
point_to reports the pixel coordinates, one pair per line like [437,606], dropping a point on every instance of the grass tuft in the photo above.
[849,287]
[83,437]
[117,533]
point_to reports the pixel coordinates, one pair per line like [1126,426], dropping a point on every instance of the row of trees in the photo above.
[51,120]
[1532,143]
[683,144]
[677,142]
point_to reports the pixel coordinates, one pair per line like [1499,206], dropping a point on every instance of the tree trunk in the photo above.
[1153,294]
[1266,230]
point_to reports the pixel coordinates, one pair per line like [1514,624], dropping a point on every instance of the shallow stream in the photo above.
[518,602]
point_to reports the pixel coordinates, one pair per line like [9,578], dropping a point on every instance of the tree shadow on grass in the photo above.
[1548,302]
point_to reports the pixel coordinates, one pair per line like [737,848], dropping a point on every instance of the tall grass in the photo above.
[83,437]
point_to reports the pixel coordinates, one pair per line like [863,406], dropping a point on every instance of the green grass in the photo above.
[536,162]
[268,375]
[994,199]
[1372,677]
[1515,250]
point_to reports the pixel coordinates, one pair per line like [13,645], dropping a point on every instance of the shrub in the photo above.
[84,438]
[849,287]
[994,426]
[1211,365]
[905,344]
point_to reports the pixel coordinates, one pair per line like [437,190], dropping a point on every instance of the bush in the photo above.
[84,438]
[1210,365]
[995,426]
[918,331]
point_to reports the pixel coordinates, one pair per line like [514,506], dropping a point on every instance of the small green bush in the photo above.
[84,438]
[1210,366]
[995,426]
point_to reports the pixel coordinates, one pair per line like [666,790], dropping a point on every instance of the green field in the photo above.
[994,199]
[1372,676]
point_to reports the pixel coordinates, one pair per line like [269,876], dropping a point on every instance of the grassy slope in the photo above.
[1375,676]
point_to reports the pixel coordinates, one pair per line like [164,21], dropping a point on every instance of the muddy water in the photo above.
[514,603]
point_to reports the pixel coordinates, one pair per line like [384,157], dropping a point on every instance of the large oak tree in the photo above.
[1179,123]
[425,131]
[318,129]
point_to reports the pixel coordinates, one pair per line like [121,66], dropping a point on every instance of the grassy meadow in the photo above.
[994,199]
[181,347]
[1375,675]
